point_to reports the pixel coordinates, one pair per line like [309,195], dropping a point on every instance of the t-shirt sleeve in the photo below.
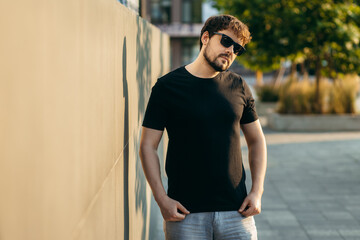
[249,115]
[155,114]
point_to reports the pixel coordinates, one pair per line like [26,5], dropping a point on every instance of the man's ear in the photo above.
[205,38]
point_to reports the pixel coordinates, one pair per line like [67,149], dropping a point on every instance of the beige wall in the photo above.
[74,82]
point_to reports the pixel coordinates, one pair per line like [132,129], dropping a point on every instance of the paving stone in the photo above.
[269,235]
[326,238]
[292,234]
[328,205]
[262,225]
[274,204]
[321,232]
[338,215]
[280,218]
[355,232]
[312,217]
[302,206]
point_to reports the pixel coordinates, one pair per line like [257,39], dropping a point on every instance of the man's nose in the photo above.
[230,49]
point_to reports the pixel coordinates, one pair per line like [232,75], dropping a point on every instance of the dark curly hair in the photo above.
[223,22]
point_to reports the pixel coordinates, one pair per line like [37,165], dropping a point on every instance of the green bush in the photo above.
[342,95]
[298,97]
[268,93]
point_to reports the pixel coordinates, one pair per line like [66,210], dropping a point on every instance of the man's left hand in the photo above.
[251,205]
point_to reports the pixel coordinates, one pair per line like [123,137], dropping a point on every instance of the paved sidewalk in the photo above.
[312,187]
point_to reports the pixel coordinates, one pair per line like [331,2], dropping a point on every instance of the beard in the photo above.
[218,66]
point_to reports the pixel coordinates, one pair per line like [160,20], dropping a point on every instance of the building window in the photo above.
[191,11]
[190,50]
[160,11]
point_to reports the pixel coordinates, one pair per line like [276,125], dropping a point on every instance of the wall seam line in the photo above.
[81,223]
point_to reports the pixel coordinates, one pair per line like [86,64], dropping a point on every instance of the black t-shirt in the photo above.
[202,117]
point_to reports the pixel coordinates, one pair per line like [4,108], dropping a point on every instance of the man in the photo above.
[203,107]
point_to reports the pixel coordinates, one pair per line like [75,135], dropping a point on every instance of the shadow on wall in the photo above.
[126,145]
[143,75]
[143,71]
[156,225]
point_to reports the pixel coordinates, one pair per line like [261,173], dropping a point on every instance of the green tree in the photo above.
[325,33]
[331,39]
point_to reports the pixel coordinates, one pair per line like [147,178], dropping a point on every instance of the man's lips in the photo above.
[224,58]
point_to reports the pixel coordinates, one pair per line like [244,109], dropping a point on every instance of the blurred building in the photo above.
[182,20]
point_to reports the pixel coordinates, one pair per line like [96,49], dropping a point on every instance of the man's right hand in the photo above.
[169,209]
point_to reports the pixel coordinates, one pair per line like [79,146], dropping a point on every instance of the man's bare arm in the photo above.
[149,143]
[150,139]
[258,161]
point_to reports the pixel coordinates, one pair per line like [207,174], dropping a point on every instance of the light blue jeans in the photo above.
[224,225]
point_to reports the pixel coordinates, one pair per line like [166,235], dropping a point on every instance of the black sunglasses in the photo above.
[227,41]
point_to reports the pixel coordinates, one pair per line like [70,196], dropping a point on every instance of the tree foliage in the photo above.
[326,33]
[323,33]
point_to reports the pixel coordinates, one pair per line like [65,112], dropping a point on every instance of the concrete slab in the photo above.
[314,122]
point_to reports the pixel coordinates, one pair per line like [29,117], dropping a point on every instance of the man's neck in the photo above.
[200,68]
